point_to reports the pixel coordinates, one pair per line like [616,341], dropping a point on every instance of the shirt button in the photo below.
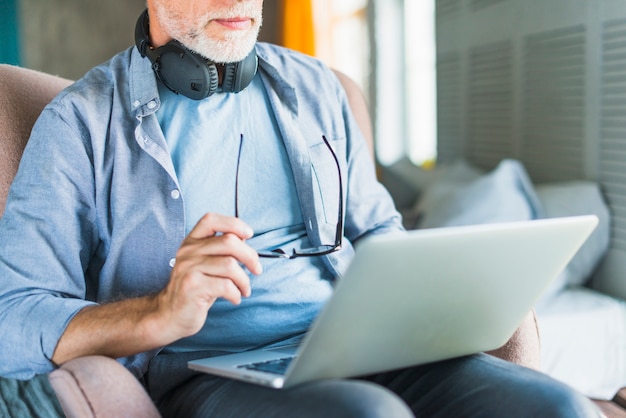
[136,103]
[152,104]
[175,194]
[172,262]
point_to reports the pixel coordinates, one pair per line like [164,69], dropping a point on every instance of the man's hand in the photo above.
[209,265]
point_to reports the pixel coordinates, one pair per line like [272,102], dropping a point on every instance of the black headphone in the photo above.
[188,73]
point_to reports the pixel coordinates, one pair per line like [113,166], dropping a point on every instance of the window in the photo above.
[342,37]
[388,47]
[421,100]
[405,92]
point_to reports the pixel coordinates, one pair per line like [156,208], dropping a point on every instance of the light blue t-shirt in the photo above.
[204,139]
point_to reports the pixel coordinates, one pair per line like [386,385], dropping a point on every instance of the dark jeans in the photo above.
[473,386]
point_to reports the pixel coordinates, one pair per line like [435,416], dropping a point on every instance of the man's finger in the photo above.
[213,223]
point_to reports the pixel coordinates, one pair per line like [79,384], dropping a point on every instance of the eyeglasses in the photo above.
[303,252]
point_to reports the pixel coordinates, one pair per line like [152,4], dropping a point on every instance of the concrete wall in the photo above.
[68,37]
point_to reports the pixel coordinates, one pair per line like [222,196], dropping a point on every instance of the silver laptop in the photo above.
[419,297]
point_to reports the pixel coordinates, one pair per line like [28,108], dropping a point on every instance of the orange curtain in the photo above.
[298,31]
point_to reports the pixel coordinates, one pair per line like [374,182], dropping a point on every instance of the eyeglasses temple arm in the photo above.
[339,232]
[237,177]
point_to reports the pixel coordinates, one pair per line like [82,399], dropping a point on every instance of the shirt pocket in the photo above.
[326,181]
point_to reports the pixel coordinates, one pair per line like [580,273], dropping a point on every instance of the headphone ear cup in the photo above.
[229,77]
[238,75]
[185,72]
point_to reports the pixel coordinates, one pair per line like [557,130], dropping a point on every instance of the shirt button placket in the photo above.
[174,194]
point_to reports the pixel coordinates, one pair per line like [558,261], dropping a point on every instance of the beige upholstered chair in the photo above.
[98,386]
[90,386]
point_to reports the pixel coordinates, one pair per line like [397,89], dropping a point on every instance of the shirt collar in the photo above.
[270,62]
[144,94]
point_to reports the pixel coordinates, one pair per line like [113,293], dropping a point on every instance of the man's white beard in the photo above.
[234,48]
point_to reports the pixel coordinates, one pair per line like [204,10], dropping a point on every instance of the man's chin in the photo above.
[224,56]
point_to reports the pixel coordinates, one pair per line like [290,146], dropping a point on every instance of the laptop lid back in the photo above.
[435,294]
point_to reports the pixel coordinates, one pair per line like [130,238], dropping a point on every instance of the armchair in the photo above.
[97,386]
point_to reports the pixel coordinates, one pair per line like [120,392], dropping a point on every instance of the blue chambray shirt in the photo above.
[95,213]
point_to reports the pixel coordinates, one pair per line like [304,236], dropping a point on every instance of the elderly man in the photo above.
[148,190]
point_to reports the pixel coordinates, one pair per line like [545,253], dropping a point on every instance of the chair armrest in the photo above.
[100,387]
[524,346]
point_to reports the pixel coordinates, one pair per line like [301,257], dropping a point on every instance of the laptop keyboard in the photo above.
[278,366]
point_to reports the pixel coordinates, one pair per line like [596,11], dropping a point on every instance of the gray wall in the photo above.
[68,37]
[543,82]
